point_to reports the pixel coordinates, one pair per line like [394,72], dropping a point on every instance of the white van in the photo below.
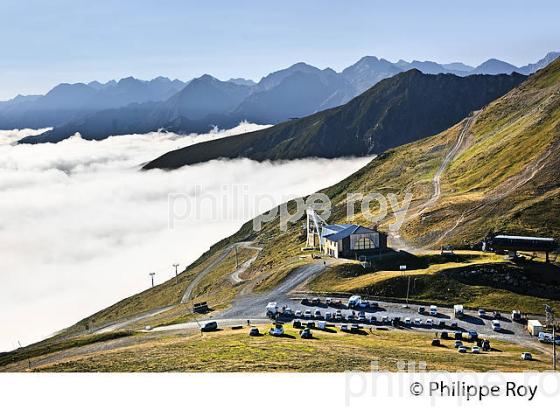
[271,307]
[496,326]
[433,310]
[354,300]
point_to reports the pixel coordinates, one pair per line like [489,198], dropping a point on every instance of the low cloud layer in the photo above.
[81,227]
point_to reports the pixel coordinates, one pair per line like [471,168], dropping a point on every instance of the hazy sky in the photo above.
[47,42]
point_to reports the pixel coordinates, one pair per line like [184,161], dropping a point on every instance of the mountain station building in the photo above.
[352,241]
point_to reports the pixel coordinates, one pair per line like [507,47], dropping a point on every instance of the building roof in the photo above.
[523,238]
[337,227]
[534,322]
[347,231]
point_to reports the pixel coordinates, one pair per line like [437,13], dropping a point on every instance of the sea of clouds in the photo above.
[81,226]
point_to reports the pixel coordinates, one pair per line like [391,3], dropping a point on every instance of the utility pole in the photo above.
[152,274]
[549,311]
[176,265]
[403,269]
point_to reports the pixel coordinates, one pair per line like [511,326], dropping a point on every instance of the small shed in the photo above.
[534,327]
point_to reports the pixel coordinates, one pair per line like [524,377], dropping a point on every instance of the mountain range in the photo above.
[66,102]
[396,111]
[97,110]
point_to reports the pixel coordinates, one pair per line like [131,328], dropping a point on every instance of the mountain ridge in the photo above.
[293,92]
[396,111]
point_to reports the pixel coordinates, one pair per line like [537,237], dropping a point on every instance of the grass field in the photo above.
[228,350]
[42,348]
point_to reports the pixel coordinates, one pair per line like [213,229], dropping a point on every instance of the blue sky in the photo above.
[47,42]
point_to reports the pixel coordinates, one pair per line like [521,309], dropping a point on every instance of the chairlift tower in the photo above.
[176,265]
[314,227]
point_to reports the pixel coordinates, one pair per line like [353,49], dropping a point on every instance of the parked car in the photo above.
[310,324]
[298,313]
[338,315]
[496,326]
[444,335]
[354,300]
[486,345]
[421,310]
[441,323]
[209,327]
[497,315]
[418,322]
[307,314]
[277,330]
[407,321]
[328,316]
[316,301]
[458,335]
[361,316]
[328,301]
[317,314]
[385,319]
[354,328]
[462,349]
[337,302]
[436,342]
[288,312]
[516,316]
[473,334]
[305,301]
[526,356]
[454,324]
[429,322]
[254,332]
[481,313]
[306,333]
[364,304]
[458,343]
[396,321]
[372,319]
[297,324]
[433,310]
[271,309]
[344,328]
[475,350]
[351,316]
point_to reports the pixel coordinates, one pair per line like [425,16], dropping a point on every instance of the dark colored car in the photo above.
[254,332]
[209,326]
[297,324]
[306,333]
[436,342]
[444,335]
